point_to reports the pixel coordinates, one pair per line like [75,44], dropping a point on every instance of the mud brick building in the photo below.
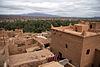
[28,54]
[78,43]
[3,38]
[5,35]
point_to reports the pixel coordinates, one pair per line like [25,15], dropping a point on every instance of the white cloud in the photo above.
[56,7]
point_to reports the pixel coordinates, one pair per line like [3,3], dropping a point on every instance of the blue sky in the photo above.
[67,8]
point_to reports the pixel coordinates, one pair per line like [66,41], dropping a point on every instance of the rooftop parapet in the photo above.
[80,27]
[78,30]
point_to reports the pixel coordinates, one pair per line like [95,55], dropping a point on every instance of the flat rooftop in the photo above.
[71,31]
[31,49]
[81,25]
[30,57]
[51,64]
[42,40]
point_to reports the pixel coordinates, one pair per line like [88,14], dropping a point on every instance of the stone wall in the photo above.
[69,45]
[88,52]
[97,58]
[32,64]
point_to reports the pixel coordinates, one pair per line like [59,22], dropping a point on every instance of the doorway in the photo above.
[76,29]
[99,65]
[60,55]
[90,26]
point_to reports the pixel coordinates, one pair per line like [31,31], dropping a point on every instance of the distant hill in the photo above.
[39,15]
[96,17]
[33,15]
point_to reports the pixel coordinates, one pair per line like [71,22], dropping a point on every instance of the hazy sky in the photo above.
[79,8]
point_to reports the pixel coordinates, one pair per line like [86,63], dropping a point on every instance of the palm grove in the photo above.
[36,26]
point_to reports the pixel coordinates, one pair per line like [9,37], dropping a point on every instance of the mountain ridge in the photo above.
[34,15]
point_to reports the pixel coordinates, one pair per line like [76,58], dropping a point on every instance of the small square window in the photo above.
[88,51]
[66,46]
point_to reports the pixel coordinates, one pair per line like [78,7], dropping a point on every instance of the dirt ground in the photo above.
[2,56]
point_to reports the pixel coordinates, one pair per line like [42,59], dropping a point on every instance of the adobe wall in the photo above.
[74,46]
[11,34]
[7,54]
[13,49]
[97,58]
[32,64]
[80,28]
[3,38]
[3,33]
[29,41]
[17,31]
[3,42]
[89,43]
[95,25]
[98,25]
